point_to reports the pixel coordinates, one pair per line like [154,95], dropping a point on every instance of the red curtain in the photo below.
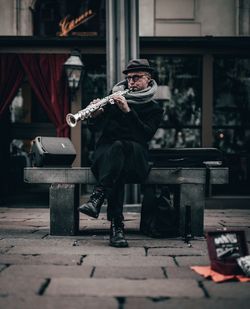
[45,74]
[11,76]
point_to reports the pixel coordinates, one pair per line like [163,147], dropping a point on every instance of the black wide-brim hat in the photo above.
[138,65]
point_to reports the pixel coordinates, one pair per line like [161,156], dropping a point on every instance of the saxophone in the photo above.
[87,112]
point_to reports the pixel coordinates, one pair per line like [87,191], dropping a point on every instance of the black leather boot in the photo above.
[117,234]
[93,206]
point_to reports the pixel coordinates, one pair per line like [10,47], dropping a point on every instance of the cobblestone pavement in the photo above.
[41,271]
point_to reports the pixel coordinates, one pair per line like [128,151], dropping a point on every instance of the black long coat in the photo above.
[134,129]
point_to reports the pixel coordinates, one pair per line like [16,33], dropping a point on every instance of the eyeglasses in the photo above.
[134,78]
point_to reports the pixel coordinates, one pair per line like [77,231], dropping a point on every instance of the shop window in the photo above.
[17,111]
[94,85]
[28,119]
[69,18]
[25,107]
[179,92]
[231,119]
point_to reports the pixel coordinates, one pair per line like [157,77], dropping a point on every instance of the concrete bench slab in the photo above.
[64,192]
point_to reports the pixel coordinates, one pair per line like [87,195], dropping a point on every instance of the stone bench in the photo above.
[65,182]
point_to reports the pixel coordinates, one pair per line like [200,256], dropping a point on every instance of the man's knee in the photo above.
[117,145]
[116,148]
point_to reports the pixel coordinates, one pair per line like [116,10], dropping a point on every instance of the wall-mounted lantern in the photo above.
[74,70]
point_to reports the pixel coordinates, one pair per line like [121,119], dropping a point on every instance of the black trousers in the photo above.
[115,164]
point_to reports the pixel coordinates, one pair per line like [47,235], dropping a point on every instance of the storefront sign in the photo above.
[67,25]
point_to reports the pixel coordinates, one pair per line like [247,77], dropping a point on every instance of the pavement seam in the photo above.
[159,299]
[175,261]
[92,272]
[44,286]
[164,272]
[81,259]
[5,267]
[201,285]
[121,302]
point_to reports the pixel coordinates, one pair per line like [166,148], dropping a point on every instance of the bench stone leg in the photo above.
[64,217]
[192,196]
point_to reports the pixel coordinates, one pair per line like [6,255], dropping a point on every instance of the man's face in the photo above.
[138,80]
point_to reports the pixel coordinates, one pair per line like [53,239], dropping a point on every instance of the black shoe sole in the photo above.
[119,245]
[88,212]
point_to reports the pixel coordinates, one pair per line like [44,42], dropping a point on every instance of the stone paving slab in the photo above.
[181,272]
[23,233]
[124,287]
[226,216]
[174,303]
[8,228]
[199,244]
[57,242]
[226,212]
[22,213]
[47,271]
[175,251]
[151,264]
[47,302]
[82,250]
[236,217]
[236,224]
[101,233]
[101,222]
[19,286]
[122,261]
[192,260]
[129,272]
[27,224]
[12,221]
[149,242]
[18,213]
[34,259]
[234,290]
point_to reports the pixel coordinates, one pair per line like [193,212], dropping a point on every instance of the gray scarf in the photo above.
[141,96]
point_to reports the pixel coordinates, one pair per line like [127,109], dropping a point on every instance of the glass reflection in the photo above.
[93,86]
[173,138]
[231,119]
[94,82]
[16,108]
[231,115]
[230,140]
[231,91]
[179,93]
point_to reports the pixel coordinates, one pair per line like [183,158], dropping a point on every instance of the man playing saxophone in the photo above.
[121,154]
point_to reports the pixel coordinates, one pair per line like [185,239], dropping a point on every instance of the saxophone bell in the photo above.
[87,112]
[71,120]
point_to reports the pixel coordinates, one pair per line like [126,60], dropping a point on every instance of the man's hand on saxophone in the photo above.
[122,103]
[99,111]
[118,99]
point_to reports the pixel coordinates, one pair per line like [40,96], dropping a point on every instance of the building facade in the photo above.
[200,49]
